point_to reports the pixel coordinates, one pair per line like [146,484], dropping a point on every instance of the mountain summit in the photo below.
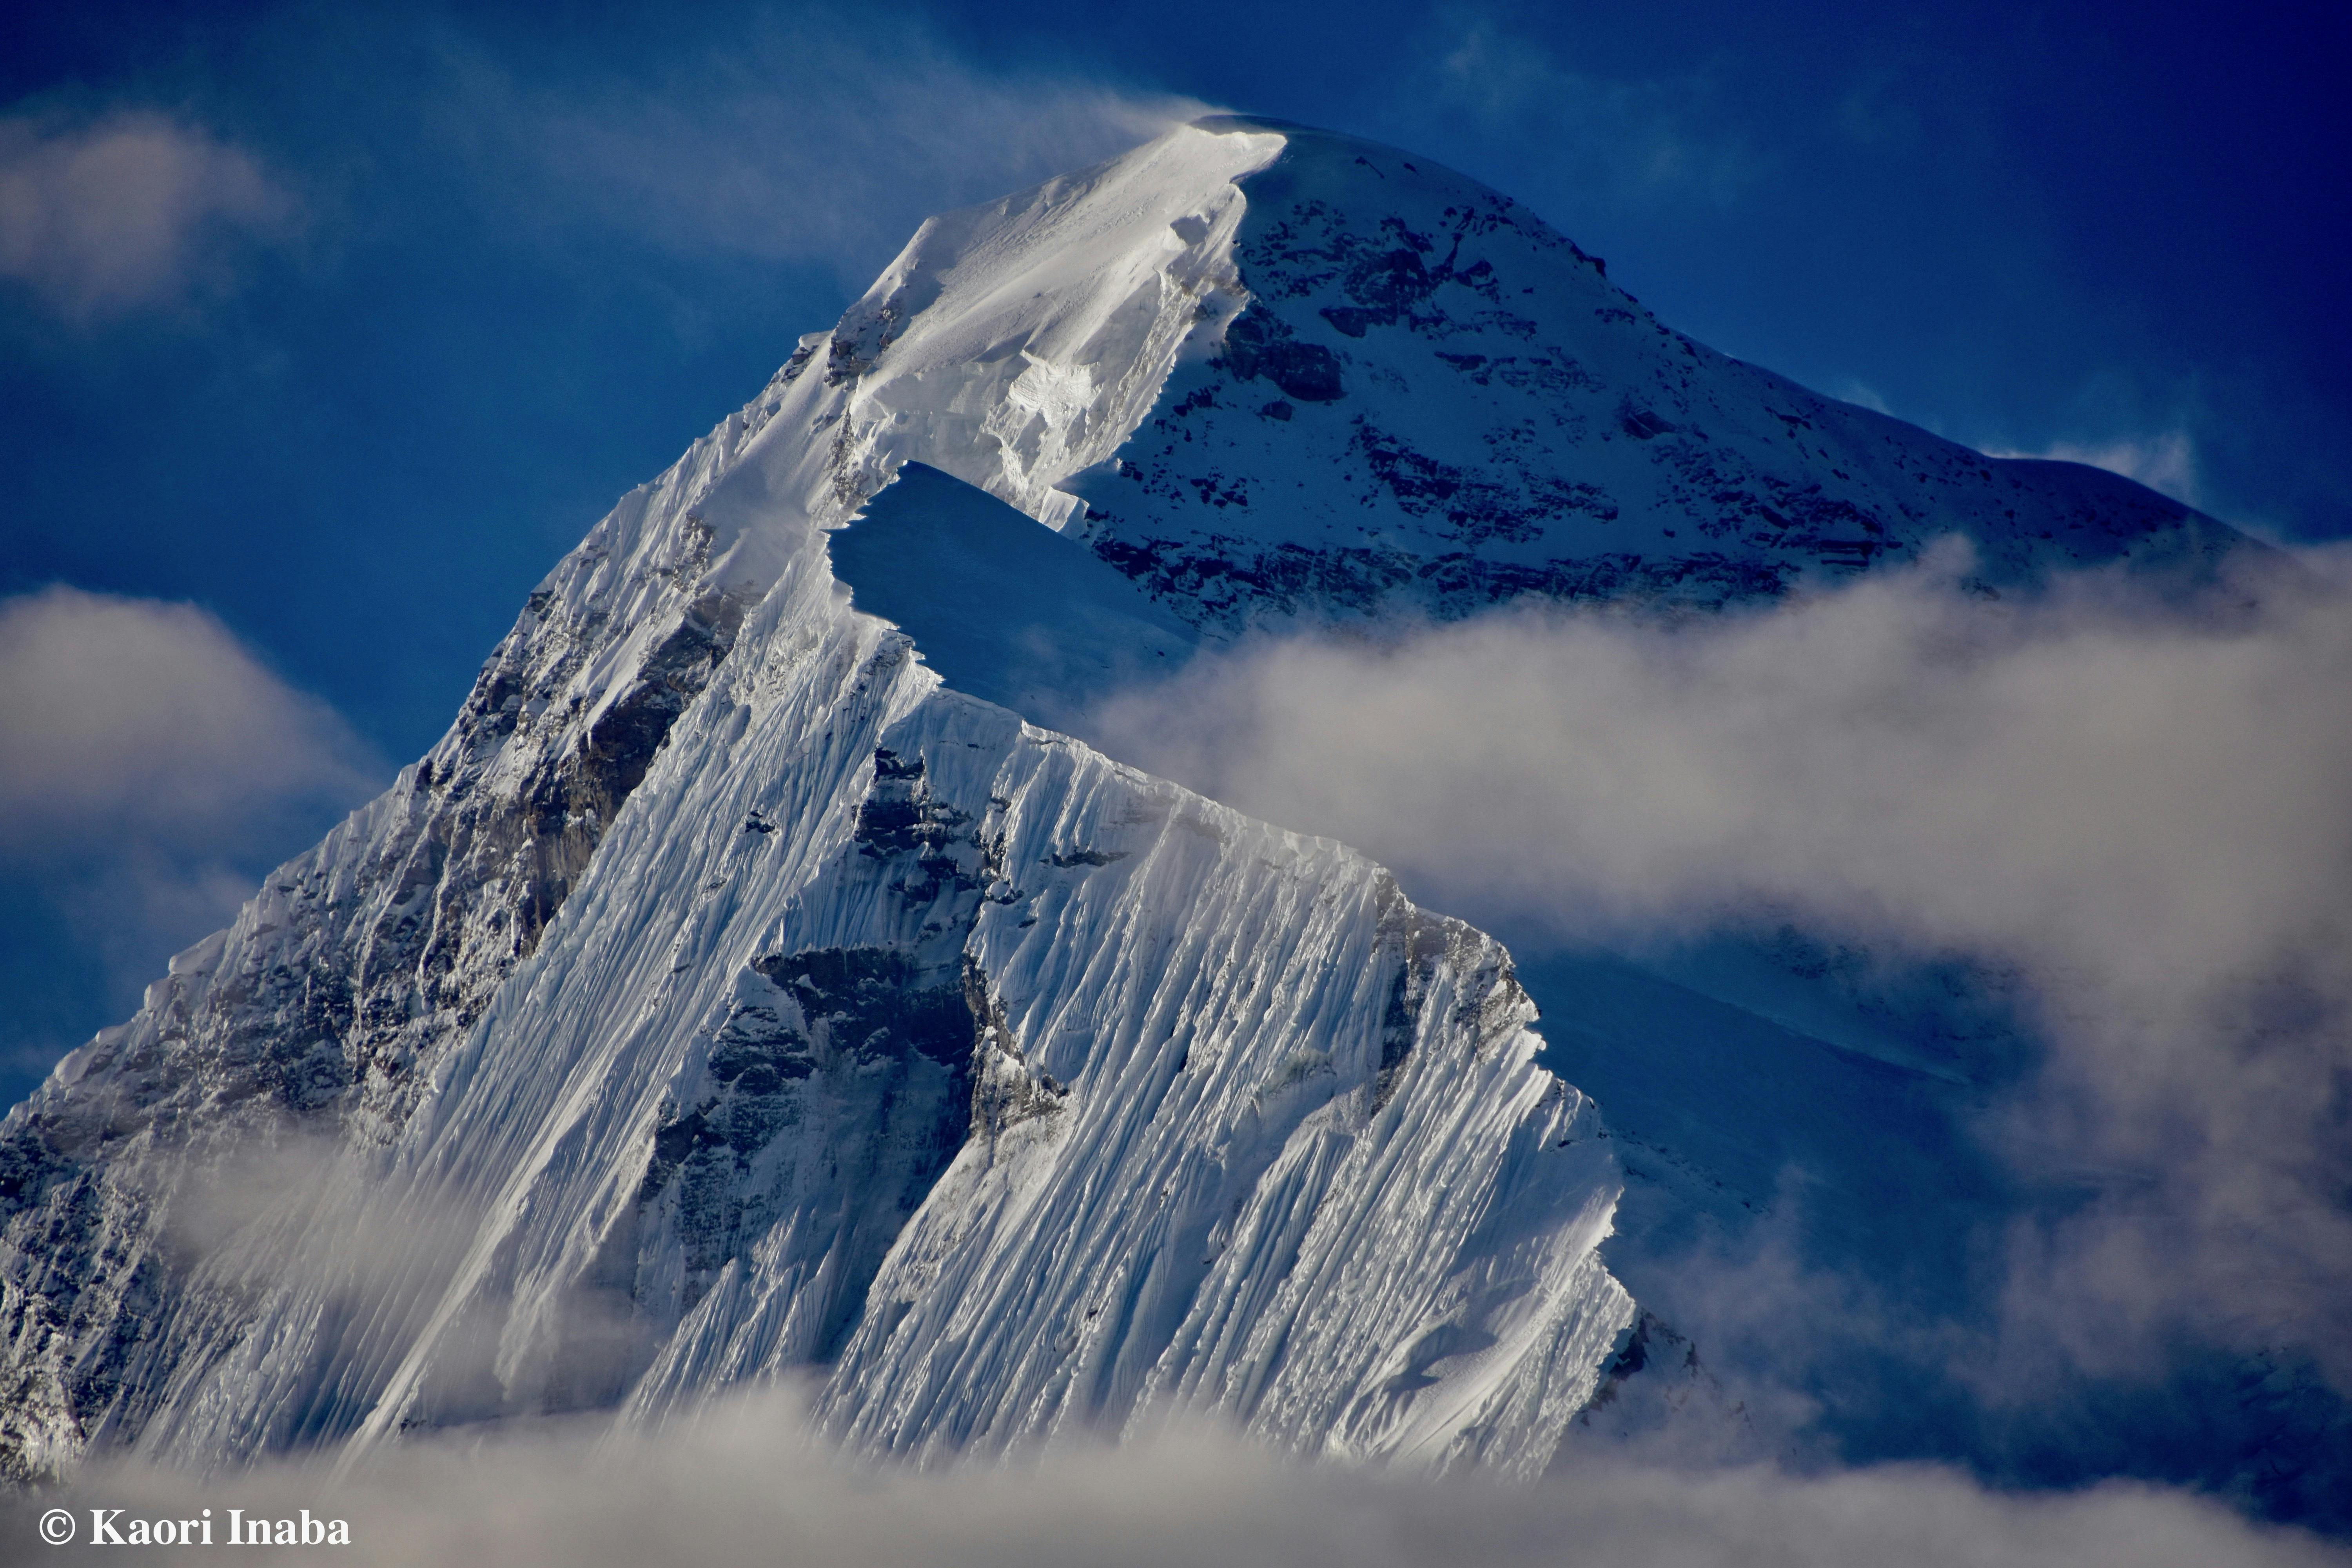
[746,984]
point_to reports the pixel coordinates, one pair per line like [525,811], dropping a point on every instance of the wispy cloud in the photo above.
[2166,462]
[1632,138]
[802,140]
[1853,390]
[2145,817]
[134,210]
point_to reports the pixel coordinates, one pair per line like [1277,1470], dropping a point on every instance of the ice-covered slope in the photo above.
[605,1057]
[720,995]
[1182,1106]
[1149,1078]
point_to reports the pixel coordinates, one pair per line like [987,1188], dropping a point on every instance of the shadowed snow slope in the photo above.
[723,995]
[1000,607]
[1432,400]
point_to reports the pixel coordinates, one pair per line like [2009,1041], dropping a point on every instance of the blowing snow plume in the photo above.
[2141,811]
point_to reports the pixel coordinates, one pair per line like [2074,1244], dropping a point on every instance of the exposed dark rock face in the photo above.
[864,1040]
[1656,1382]
[1428,946]
[1477,509]
[839,1086]
[1260,343]
[1234,583]
[899,821]
[321,1016]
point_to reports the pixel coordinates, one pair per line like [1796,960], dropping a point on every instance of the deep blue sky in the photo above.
[505,262]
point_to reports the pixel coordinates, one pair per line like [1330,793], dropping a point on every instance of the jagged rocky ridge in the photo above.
[722,995]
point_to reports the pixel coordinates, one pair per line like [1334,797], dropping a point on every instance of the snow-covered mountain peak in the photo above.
[724,994]
[1266,371]
[1015,343]
[742,985]
[1433,399]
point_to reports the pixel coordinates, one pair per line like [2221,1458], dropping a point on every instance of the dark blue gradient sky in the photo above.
[505,262]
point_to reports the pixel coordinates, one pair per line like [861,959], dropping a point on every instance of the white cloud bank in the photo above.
[2148,815]
[745,1484]
[150,766]
[130,717]
[2158,803]
[136,210]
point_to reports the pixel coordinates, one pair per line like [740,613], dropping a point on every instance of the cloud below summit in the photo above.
[150,765]
[745,1482]
[2146,818]
[134,717]
[2117,791]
